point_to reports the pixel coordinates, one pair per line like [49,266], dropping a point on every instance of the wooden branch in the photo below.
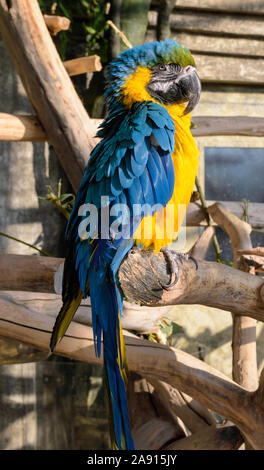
[29,273]
[179,405]
[201,247]
[83,65]
[248,263]
[196,217]
[244,348]
[258,251]
[13,351]
[25,128]
[182,371]
[141,275]
[175,403]
[203,125]
[150,423]
[216,285]
[219,437]
[134,317]
[21,128]
[55,23]
[47,84]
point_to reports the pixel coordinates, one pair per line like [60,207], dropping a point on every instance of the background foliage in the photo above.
[88,24]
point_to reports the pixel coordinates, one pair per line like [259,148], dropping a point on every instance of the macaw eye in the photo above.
[162,67]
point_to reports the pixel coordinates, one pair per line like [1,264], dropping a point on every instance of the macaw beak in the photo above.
[190,87]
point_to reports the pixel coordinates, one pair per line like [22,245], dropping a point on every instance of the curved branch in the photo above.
[177,368]
[142,274]
[245,370]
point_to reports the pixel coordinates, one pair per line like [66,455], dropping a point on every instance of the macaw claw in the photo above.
[173,259]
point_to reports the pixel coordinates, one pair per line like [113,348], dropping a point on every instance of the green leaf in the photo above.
[89,29]
[171,329]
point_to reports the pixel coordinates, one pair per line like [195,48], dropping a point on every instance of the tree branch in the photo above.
[244,328]
[216,285]
[55,23]
[182,371]
[141,275]
[219,437]
[81,65]
[48,85]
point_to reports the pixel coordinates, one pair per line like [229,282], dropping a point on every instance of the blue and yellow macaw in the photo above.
[146,159]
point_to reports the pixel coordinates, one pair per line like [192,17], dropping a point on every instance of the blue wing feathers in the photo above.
[128,168]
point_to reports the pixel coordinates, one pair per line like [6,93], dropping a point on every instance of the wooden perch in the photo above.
[203,125]
[255,212]
[177,368]
[201,247]
[21,128]
[219,437]
[25,128]
[244,328]
[141,275]
[216,285]
[55,23]
[48,86]
[83,65]
[258,251]
[180,405]
[253,257]
[141,319]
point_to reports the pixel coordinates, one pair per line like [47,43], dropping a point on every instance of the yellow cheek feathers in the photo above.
[134,89]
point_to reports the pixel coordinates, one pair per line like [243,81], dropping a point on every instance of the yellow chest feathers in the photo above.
[162,228]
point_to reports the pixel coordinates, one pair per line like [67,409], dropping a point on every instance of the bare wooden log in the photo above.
[249,262]
[154,434]
[30,273]
[179,405]
[134,317]
[16,352]
[83,65]
[201,247]
[26,128]
[245,370]
[21,128]
[29,128]
[219,437]
[47,84]
[183,371]
[141,275]
[258,251]
[55,23]
[151,425]
[255,212]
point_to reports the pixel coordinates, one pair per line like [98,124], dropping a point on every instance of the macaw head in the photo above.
[161,71]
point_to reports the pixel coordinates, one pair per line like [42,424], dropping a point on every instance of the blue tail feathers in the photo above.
[106,303]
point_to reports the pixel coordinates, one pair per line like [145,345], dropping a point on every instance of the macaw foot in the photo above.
[173,260]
